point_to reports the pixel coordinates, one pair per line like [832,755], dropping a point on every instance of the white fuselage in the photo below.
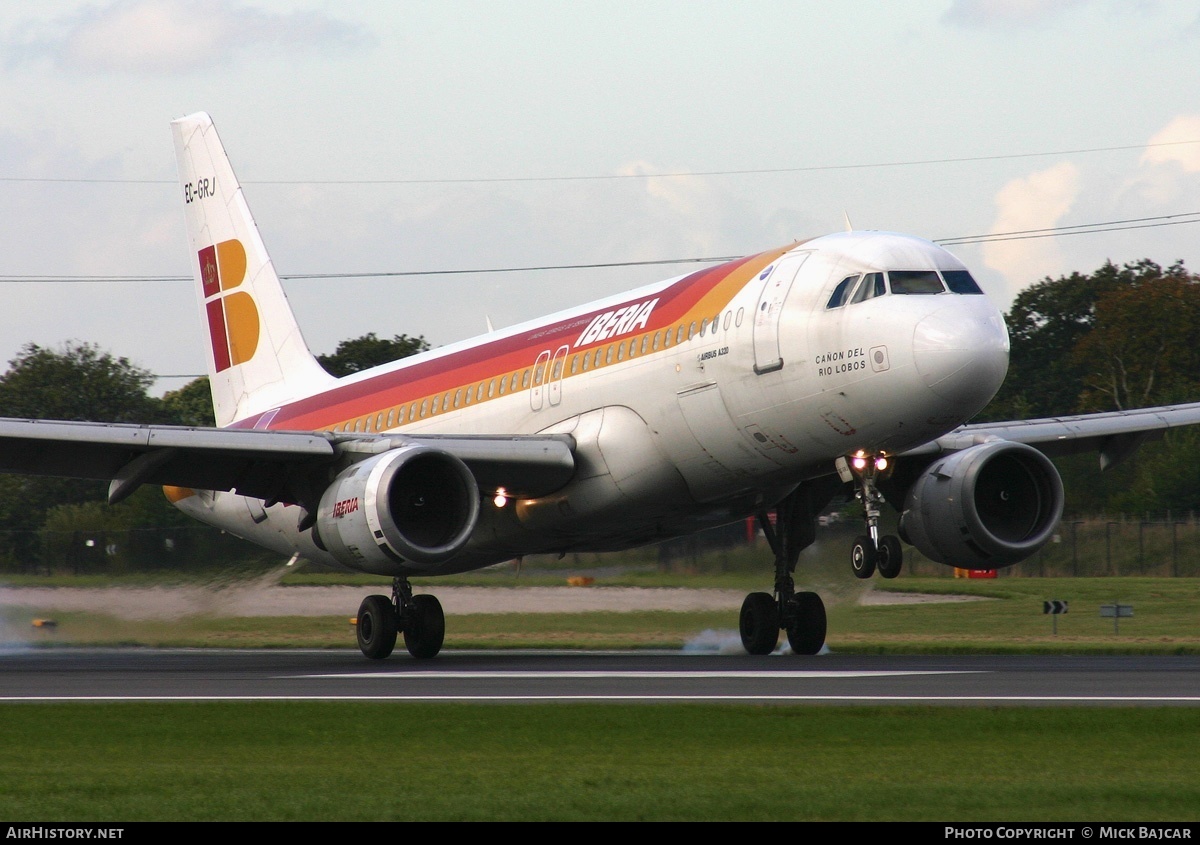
[727,417]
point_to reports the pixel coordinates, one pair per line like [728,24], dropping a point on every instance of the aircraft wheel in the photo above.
[759,623]
[890,558]
[376,627]
[807,633]
[862,556]
[425,627]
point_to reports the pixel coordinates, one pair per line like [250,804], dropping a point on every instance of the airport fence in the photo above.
[1166,545]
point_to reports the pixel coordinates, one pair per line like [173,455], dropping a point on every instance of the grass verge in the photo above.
[314,761]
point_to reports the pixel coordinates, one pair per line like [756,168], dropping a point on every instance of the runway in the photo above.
[46,675]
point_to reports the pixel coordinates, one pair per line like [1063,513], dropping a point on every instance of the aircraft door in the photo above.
[776,284]
[537,389]
[556,373]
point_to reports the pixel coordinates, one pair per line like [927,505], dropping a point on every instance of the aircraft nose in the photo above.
[962,354]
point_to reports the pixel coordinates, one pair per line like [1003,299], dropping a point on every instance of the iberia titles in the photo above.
[621,321]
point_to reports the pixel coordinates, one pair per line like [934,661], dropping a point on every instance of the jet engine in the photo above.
[414,505]
[985,507]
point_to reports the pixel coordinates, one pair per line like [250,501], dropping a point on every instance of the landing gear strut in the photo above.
[801,615]
[871,553]
[419,618]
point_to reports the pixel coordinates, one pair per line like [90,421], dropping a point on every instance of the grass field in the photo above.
[306,761]
[1010,620]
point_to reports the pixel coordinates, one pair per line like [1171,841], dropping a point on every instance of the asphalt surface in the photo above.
[189,675]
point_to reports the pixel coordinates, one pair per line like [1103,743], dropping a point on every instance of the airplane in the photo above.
[761,387]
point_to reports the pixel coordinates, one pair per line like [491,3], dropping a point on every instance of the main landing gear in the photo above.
[801,615]
[870,552]
[419,618]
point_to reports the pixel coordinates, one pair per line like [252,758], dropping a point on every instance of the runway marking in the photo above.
[550,675]
[919,699]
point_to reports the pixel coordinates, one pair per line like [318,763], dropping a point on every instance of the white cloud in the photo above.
[1168,145]
[175,36]
[1007,14]
[1037,201]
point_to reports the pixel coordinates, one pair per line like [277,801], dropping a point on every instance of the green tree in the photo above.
[80,381]
[190,404]
[362,353]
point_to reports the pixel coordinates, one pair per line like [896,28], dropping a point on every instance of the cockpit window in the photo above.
[841,293]
[960,281]
[871,286]
[915,281]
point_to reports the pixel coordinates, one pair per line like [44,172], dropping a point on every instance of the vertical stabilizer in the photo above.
[257,357]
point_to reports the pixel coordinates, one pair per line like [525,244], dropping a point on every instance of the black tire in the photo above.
[862,556]
[425,627]
[807,633]
[759,623]
[376,627]
[891,557]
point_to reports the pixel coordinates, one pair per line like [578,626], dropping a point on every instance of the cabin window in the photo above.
[437,402]
[458,397]
[960,281]
[513,386]
[645,343]
[424,408]
[620,351]
[915,282]
[654,343]
[738,320]
[391,417]
[633,347]
[400,416]
[556,371]
[412,411]
[679,335]
[503,385]
[692,330]
[703,326]
[537,375]
[379,421]
[585,358]
[728,319]
[575,364]
[608,356]
[596,360]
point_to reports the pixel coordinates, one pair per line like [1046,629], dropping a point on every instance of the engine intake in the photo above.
[414,505]
[986,507]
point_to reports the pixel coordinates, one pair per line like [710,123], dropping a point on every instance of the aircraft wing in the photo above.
[269,465]
[1114,435]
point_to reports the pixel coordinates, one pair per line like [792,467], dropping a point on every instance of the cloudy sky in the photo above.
[403,136]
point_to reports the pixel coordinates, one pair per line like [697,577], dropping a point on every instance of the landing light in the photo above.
[501,498]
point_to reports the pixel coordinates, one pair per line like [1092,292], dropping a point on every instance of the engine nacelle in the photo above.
[986,507]
[414,505]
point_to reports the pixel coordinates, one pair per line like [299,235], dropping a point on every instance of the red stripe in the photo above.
[490,358]
[216,334]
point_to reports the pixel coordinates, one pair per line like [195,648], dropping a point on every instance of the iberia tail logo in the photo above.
[232,317]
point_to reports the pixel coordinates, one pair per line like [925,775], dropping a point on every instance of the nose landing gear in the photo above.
[871,553]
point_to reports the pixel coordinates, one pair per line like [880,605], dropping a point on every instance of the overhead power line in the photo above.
[1020,234]
[624,176]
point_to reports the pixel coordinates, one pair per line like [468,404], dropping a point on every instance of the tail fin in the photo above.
[258,357]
